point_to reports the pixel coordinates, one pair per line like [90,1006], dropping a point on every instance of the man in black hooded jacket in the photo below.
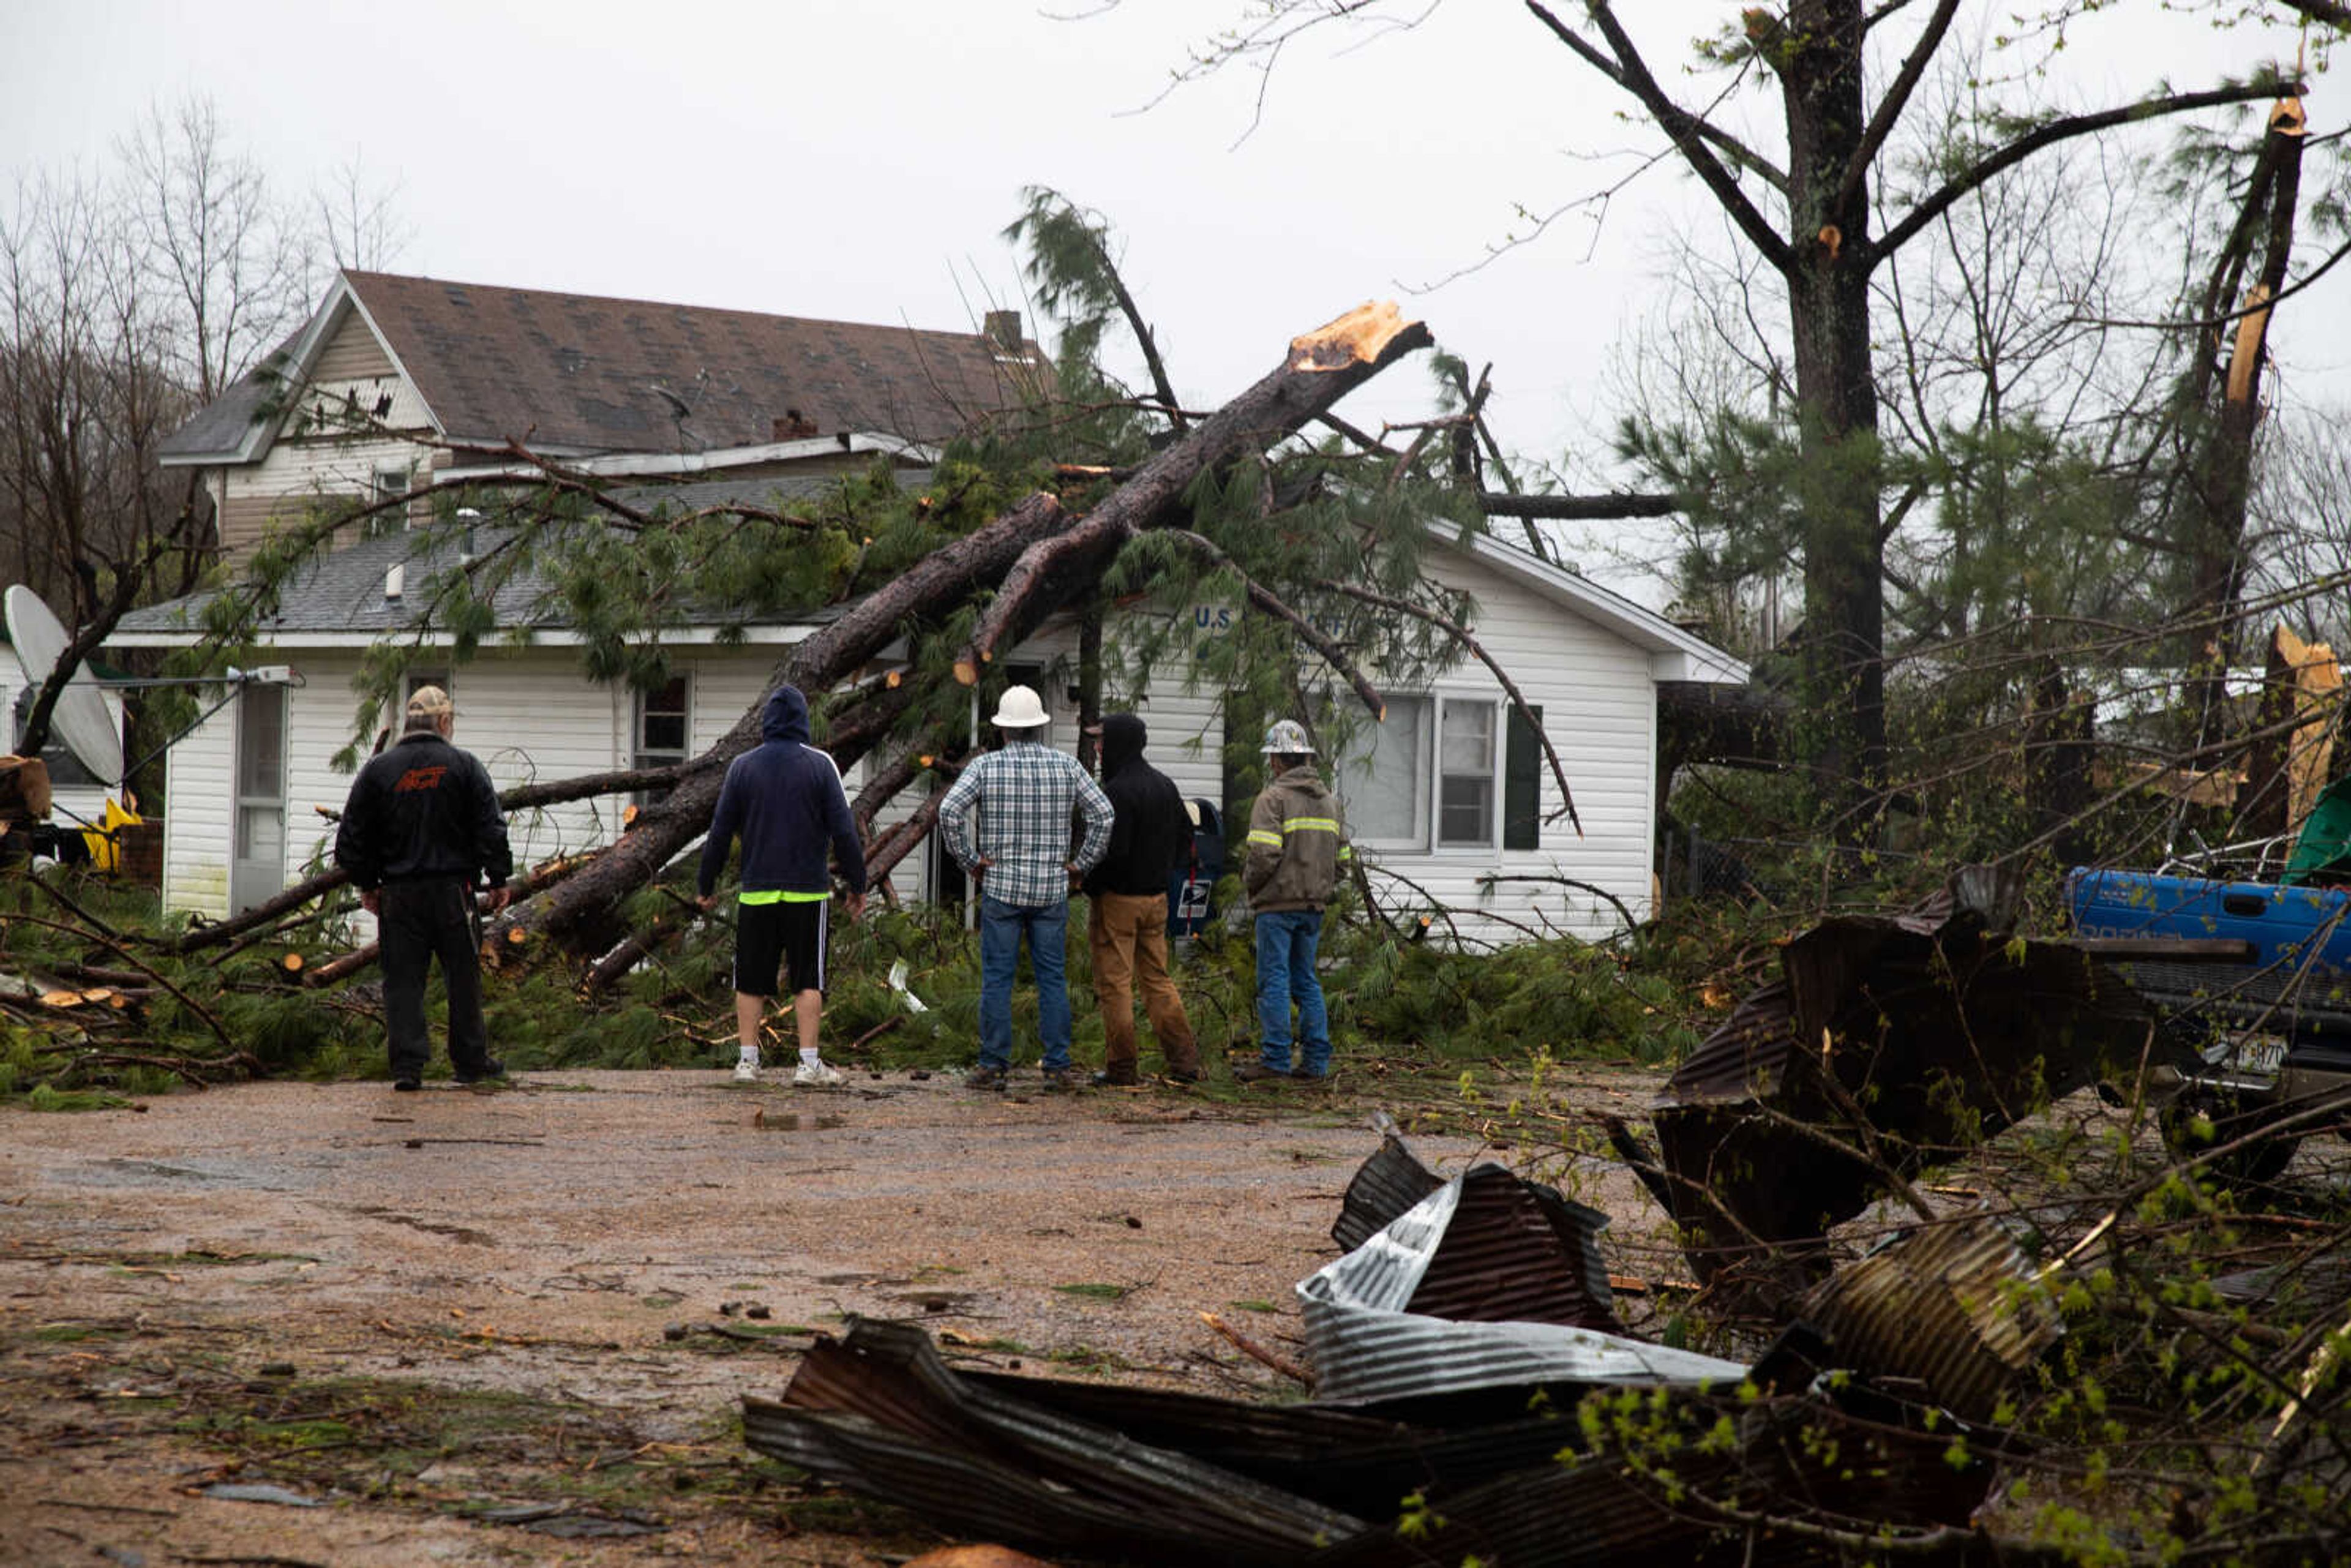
[1126,925]
[421,830]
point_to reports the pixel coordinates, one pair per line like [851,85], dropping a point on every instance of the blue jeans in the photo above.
[1286,940]
[1001,927]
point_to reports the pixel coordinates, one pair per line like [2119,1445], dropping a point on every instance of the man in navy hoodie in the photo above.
[784,799]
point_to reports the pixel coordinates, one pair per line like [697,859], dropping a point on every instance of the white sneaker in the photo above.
[815,1075]
[746,1072]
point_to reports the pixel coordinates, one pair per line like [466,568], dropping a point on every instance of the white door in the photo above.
[257,859]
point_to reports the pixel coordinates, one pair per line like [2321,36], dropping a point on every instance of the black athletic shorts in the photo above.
[791,933]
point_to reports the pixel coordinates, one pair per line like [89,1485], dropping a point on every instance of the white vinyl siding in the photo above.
[1598,703]
[199,775]
[530,715]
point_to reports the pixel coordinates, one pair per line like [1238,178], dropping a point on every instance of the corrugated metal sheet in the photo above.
[880,1413]
[1149,1475]
[1359,1464]
[1931,1029]
[1952,1305]
[1384,1185]
[1369,1343]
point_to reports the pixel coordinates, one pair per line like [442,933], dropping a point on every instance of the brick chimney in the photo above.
[1003,329]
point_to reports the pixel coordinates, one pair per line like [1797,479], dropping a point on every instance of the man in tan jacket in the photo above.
[1297,842]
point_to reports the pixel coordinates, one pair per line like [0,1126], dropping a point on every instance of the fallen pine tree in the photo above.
[1035,559]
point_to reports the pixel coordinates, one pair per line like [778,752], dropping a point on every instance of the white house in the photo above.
[1451,803]
[399,379]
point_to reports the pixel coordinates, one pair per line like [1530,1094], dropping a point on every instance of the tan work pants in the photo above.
[1127,933]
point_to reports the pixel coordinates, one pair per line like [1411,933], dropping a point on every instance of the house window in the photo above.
[384,485]
[1425,774]
[1383,777]
[664,722]
[1465,783]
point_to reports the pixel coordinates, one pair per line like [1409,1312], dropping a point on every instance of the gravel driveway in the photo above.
[620,1255]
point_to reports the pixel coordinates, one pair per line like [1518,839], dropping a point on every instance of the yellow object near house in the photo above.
[105,852]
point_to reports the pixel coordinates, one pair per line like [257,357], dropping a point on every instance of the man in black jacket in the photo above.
[421,831]
[1126,925]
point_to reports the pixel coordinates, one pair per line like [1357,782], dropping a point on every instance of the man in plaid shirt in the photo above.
[1023,797]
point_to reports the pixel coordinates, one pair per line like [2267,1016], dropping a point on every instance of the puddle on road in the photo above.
[121,1172]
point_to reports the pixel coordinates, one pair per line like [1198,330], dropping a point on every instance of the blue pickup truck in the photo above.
[2255,977]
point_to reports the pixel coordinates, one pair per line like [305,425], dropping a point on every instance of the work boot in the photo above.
[984,1078]
[1062,1078]
[1259,1072]
[408,1085]
[491,1067]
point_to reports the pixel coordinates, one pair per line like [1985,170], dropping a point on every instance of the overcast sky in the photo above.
[857,161]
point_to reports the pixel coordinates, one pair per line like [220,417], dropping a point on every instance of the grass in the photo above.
[1417,1008]
[1095,1292]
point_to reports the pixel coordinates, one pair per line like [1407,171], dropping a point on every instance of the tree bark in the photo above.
[1818,57]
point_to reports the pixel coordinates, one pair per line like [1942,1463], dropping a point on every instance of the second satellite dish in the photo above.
[81,717]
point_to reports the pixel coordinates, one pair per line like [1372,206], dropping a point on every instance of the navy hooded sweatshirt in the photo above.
[784,799]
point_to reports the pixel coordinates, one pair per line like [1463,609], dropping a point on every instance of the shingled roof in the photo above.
[579,372]
[338,597]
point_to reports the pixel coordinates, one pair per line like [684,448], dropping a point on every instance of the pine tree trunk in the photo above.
[1818,57]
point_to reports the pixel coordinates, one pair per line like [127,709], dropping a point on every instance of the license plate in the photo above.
[2257,1055]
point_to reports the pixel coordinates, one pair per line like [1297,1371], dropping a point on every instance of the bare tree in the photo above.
[128,300]
[216,240]
[358,219]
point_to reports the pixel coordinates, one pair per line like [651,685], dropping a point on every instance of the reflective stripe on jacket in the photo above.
[1297,842]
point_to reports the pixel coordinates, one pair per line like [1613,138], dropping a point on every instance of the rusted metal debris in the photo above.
[1490,1467]
[1889,1041]
[881,1413]
[1515,1249]
[1952,1308]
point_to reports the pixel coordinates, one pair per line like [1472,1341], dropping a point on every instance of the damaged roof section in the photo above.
[1889,1043]
[1515,1249]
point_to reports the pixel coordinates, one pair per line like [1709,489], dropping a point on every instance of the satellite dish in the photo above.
[80,718]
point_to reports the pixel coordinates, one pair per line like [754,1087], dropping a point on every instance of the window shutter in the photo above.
[1523,782]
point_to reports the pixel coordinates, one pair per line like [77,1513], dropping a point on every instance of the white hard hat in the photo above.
[1286,737]
[1021,709]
